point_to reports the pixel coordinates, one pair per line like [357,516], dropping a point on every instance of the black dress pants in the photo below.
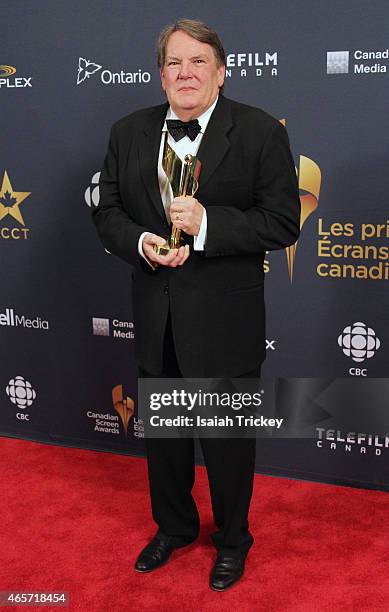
[230,466]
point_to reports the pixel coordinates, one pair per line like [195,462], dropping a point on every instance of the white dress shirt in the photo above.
[182,147]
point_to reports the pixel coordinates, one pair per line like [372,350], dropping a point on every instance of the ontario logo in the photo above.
[10,202]
[8,81]
[88,68]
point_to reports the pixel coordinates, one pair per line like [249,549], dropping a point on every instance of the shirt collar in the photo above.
[203,119]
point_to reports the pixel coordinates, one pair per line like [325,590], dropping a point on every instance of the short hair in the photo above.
[196,29]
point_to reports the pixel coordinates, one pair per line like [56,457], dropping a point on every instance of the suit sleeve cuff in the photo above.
[200,239]
[140,249]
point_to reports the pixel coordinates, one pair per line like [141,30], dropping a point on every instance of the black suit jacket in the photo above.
[249,188]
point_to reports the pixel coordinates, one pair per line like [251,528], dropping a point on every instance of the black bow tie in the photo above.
[178,129]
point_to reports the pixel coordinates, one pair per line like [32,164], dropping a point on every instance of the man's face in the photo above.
[190,76]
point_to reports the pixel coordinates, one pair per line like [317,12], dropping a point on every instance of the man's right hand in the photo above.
[176,257]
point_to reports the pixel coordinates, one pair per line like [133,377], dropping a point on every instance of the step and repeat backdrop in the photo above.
[68,71]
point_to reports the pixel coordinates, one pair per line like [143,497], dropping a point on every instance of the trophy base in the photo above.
[164,249]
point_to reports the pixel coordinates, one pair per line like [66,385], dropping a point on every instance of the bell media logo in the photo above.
[337,62]
[10,202]
[8,81]
[20,392]
[87,68]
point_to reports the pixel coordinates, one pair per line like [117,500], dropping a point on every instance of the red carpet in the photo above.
[75,520]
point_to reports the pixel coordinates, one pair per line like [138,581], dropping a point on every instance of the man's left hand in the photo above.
[186,213]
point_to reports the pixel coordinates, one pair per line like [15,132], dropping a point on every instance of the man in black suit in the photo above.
[199,310]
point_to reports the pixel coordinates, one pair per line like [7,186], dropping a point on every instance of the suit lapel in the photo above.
[148,152]
[215,144]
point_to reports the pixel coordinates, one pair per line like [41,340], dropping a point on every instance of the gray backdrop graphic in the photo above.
[68,71]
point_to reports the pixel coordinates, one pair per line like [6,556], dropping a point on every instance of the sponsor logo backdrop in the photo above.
[68,373]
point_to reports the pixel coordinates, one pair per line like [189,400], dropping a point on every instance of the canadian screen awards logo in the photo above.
[21,393]
[88,68]
[359,342]
[9,81]
[10,202]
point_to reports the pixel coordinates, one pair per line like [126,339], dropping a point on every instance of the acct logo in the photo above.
[88,68]
[10,201]
[252,63]
[359,342]
[8,81]
[364,62]
[10,319]
[121,329]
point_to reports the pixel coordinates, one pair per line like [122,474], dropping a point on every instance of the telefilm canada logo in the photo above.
[359,343]
[9,81]
[351,441]
[358,62]
[22,394]
[120,329]
[252,63]
[10,211]
[10,318]
[88,69]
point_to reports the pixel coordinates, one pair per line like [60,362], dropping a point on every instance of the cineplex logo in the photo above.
[88,68]
[252,63]
[362,61]
[359,342]
[8,81]
[9,318]
[21,393]
[92,192]
[10,201]
[121,329]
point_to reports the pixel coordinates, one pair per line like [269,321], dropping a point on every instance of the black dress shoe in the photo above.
[226,571]
[155,554]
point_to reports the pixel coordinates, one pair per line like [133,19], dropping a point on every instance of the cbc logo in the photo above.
[92,193]
[21,393]
[359,342]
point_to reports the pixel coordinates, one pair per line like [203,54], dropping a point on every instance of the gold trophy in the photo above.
[184,180]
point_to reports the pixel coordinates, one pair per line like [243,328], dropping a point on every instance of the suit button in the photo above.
[166,290]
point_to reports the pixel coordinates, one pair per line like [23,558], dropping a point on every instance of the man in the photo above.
[199,310]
